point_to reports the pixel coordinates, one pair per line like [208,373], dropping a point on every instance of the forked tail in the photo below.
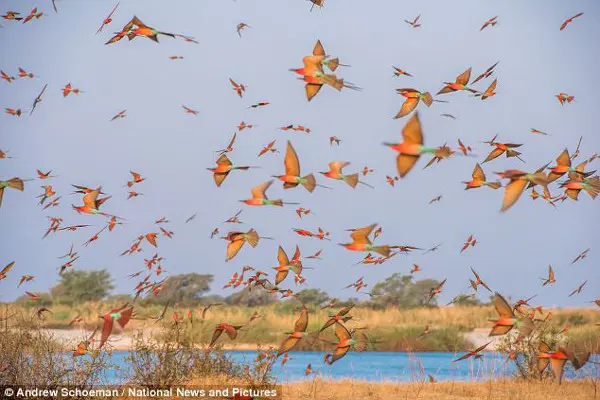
[309,182]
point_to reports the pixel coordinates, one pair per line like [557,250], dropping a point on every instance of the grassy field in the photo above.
[496,389]
[393,329]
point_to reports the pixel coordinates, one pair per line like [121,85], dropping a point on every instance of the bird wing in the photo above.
[258,192]
[362,235]
[502,307]
[302,322]
[292,165]
[412,131]
[463,78]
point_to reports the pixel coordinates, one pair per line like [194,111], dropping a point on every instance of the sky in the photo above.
[75,139]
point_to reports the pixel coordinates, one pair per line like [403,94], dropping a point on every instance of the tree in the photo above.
[402,291]
[252,298]
[184,288]
[79,286]
[312,296]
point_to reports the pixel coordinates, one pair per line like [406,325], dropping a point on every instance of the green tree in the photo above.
[401,291]
[252,298]
[79,286]
[312,296]
[183,289]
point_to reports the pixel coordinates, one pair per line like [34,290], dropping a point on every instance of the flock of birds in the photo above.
[318,70]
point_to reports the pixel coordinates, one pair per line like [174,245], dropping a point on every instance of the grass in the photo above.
[320,389]
[392,329]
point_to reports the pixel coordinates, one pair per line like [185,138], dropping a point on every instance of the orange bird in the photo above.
[436,290]
[240,27]
[490,22]
[108,19]
[538,132]
[224,167]
[414,23]
[361,242]
[294,337]
[557,359]
[137,178]
[346,341]
[242,125]
[32,296]
[459,84]
[259,197]
[335,172]
[412,147]
[473,353]
[501,148]
[479,180]
[398,72]
[334,140]
[413,96]
[45,175]
[189,110]
[285,265]
[122,315]
[550,279]
[268,148]
[564,98]
[259,104]
[7,78]
[292,176]
[569,20]
[229,147]
[478,281]
[563,165]
[578,289]
[14,112]
[6,270]
[239,89]
[119,115]
[486,74]
[83,347]
[415,268]
[507,319]
[232,332]
[14,183]
[576,184]
[25,278]
[146,31]
[317,256]
[489,92]
[91,203]
[238,239]
[68,89]
[518,181]
[580,257]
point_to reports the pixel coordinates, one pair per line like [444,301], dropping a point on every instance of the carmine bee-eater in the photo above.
[557,359]
[144,30]
[398,72]
[500,148]
[490,22]
[285,265]
[563,165]
[473,353]
[590,185]
[346,341]
[224,167]
[569,20]
[240,27]
[14,183]
[259,197]
[518,181]
[459,84]
[292,176]
[122,315]
[68,89]
[361,242]
[231,330]
[489,92]
[91,203]
[479,180]
[564,98]
[413,96]
[237,240]
[507,319]
[108,19]
[550,280]
[238,88]
[412,147]
[299,332]
[335,172]
[414,23]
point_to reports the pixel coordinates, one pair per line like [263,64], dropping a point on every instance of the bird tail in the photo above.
[309,182]
[352,180]
[252,238]
[277,202]
[168,34]
[427,99]
[1,195]
[525,326]
[592,186]
[512,153]
[383,250]
[333,81]
[16,183]
[125,317]
[494,185]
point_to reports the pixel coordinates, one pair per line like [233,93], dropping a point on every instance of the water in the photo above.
[374,366]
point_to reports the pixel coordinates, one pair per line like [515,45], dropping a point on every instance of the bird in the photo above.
[507,319]
[259,197]
[569,20]
[479,179]
[412,147]
[292,176]
[38,99]
[473,353]
[460,83]
[299,332]
[490,22]
[223,168]
[414,23]
[361,242]
[14,183]
[121,315]
[108,18]
[231,330]
[412,96]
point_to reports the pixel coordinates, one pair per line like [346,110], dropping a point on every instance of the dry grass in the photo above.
[320,389]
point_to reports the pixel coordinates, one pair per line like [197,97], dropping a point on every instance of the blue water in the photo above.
[373,366]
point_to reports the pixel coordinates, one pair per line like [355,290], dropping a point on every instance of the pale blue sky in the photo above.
[75,139]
